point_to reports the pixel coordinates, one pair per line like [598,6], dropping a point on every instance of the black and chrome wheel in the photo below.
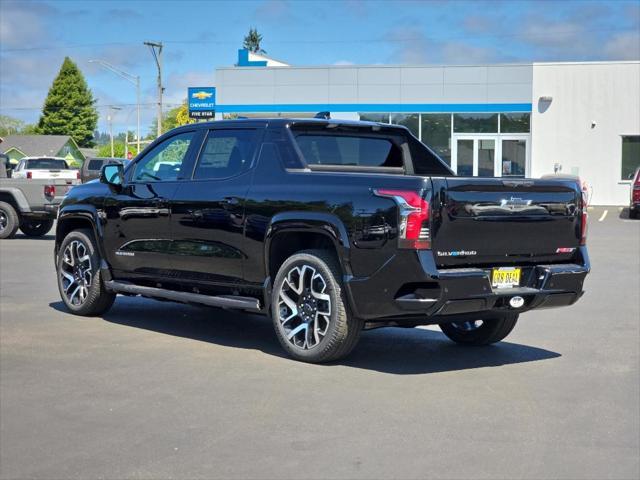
[36,228]
[9,220]
[79,282]
[309,311]
[482,331]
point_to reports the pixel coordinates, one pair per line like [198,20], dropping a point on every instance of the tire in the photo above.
[317,276]
[492,330]
[36,228]
[633,213]
[81,289]
[9,220]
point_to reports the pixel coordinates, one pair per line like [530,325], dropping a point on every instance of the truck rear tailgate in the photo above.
[494,221]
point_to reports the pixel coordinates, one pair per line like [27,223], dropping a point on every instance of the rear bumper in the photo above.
[48,211]
[426,294]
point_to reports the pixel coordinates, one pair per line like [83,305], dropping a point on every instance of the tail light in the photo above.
[413,227]
[77,174]
[636,193]
[29,174]
[583,227]
[50,191]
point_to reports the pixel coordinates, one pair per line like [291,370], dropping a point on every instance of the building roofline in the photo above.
[419,65]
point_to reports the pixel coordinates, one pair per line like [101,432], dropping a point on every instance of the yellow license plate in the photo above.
[505,277]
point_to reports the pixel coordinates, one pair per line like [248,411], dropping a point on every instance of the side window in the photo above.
[163,163]
[360,151]
[226,153]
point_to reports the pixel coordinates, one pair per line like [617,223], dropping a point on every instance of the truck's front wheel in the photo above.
[482,331]
[309,309]
[79,282]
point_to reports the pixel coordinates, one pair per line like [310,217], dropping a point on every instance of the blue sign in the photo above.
[202,102]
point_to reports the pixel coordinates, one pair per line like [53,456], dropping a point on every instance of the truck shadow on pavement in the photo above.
[397,351]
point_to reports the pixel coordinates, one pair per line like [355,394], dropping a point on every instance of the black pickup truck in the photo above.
[328,226]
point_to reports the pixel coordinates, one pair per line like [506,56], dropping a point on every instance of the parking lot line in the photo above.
[604,215]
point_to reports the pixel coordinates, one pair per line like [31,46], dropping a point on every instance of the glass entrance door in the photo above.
[490,156]
[474,156]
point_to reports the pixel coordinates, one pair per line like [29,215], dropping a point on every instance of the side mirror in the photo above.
[112,175]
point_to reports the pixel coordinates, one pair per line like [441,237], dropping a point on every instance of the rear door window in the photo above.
[226,153]
[95,165]
[346,150]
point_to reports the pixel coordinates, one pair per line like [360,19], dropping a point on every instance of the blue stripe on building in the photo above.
[380,107]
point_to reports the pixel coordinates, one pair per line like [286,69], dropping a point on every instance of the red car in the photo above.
[634,200]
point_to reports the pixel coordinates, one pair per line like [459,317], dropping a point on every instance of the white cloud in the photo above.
[623,46]
[22,24]
[413,46]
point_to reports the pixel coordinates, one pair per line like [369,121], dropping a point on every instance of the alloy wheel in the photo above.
[304,307]
[76,272]
[4,220]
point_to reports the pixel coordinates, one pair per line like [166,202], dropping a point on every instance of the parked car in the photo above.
[328,226]
[5,166]
[90,169]
[45,168]
[634,197]
[30,205]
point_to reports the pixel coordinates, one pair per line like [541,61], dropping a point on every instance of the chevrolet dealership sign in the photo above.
[202,102]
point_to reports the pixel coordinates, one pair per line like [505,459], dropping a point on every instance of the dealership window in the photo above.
[409,120]
[436,133]
[630,155]
[475,123]
[515,122]
[375,117]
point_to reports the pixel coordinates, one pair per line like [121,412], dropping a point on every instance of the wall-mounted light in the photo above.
[546,98]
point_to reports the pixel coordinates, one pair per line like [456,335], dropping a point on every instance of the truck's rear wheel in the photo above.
[9,221]
[36,228]
[79,282]
[482,331]
[309,309]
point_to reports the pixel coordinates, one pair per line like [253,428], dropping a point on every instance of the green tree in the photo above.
[252,41]
[69,108]
[10,125]
[176,117]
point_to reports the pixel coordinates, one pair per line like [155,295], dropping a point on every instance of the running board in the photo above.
[225,301]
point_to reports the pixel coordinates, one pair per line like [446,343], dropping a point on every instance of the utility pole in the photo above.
[110,120]
[157,55]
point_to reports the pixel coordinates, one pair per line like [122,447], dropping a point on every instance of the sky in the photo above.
[199,36]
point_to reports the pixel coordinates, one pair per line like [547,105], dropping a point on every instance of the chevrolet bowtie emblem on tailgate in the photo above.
[515,202]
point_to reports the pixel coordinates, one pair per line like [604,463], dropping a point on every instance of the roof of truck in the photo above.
[288,120]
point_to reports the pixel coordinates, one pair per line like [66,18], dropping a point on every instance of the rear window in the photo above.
[46,164]
[95,164]
[346,150]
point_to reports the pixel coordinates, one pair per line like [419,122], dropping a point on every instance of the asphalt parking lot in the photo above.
[160,390]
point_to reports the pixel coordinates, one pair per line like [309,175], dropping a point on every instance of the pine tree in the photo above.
[252,41]
[69,107]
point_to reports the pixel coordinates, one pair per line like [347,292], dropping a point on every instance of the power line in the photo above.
[411,38]
[154,104]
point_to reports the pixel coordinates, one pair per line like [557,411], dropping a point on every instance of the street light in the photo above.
[110,120]
[130,78]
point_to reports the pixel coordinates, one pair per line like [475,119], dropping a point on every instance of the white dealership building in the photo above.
[580,118]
